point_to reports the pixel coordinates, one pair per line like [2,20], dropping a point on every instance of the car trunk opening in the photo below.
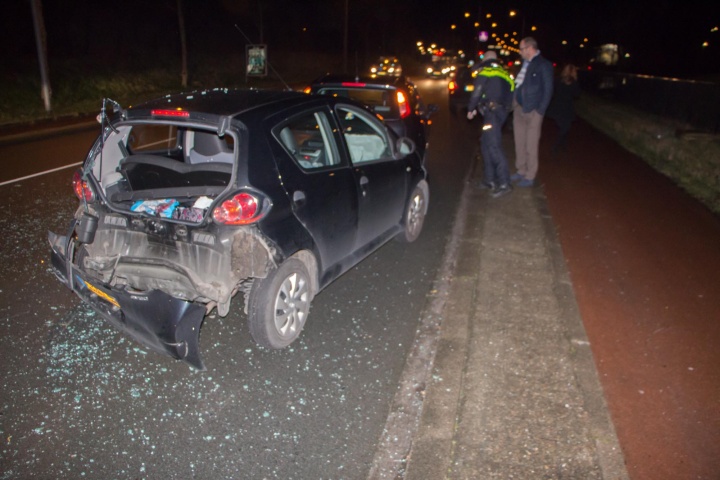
[147,255]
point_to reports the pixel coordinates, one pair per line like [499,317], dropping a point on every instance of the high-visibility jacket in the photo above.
[493,87]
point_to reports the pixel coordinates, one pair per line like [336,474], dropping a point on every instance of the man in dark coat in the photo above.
[492,96]
[533,91]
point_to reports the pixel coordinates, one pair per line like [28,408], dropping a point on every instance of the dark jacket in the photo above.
[562,108]
[493,87]
[536,90]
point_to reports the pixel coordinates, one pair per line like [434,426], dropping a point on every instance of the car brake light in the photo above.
[241,209]
[353,84]
[403,105]
[452,86]
[81,188]
[169,113]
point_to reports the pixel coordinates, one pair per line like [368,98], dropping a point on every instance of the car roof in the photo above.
[219,101]
[332,79]
[211,107]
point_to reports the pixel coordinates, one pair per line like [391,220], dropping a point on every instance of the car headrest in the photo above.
[210,144]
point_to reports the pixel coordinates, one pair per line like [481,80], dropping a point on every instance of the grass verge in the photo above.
[690,159]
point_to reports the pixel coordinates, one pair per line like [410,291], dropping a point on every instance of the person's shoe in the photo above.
[525,183]
[516,177]
[482,185]
[501,190]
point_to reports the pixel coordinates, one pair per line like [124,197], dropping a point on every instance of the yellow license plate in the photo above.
[102,294]
[469,88]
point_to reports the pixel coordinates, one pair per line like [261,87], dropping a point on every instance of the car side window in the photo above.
[308,139]
[366,139]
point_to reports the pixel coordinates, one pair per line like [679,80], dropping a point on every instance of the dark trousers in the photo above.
[563,130]
[495,164]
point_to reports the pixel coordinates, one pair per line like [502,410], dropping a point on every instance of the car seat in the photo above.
[207,147]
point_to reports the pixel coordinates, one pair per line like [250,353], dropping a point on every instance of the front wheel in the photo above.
[278,305]
[415,211]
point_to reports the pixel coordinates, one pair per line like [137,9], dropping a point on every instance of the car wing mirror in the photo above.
[404,147]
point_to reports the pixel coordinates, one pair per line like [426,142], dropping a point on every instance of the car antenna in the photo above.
[357,72]
[287,87]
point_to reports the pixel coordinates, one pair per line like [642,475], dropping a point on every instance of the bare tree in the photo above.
[183,44]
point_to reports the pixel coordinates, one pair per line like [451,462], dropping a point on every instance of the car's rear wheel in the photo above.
[278,305]
[415,211]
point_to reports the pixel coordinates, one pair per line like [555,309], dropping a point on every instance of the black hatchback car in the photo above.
[396,99]
[190,199]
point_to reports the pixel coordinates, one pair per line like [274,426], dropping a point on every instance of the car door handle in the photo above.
[299,198]
[363,183]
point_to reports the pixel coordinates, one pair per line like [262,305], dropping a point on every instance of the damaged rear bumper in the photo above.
[159,321]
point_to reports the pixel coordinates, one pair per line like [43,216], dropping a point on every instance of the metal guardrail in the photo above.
[691,102]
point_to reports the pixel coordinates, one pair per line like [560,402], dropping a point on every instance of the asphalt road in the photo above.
[79,400]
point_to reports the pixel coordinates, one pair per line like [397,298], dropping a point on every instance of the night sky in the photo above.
[662,37]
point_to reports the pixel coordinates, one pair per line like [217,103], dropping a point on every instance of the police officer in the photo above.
[492,97]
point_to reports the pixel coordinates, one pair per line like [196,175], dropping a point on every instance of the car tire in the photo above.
[278,305]
[414,216]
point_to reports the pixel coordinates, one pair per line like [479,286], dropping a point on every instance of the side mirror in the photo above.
[404,147]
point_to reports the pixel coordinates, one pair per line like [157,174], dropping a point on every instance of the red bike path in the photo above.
[644,259]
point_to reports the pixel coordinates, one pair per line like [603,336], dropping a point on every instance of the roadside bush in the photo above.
[690,159]
[78,86]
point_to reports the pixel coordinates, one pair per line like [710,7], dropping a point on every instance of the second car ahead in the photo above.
[460,88]
[191,199]
[396,99]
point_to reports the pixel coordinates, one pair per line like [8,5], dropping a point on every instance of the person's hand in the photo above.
[471,114]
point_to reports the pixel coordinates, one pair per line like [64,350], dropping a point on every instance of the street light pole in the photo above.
[40,37]
[345,38]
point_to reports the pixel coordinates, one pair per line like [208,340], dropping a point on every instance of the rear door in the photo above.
[320,184]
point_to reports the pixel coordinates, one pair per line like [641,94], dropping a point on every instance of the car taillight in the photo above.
[452,86]
[353,84]
[169,113]
[403,105]
[81,188]
[241,209]
[307,90]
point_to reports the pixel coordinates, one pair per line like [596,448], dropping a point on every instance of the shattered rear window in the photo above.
[164,170]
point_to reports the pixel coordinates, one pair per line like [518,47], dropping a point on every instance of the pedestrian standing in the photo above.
[492,97]
[562,105]
[533,92]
